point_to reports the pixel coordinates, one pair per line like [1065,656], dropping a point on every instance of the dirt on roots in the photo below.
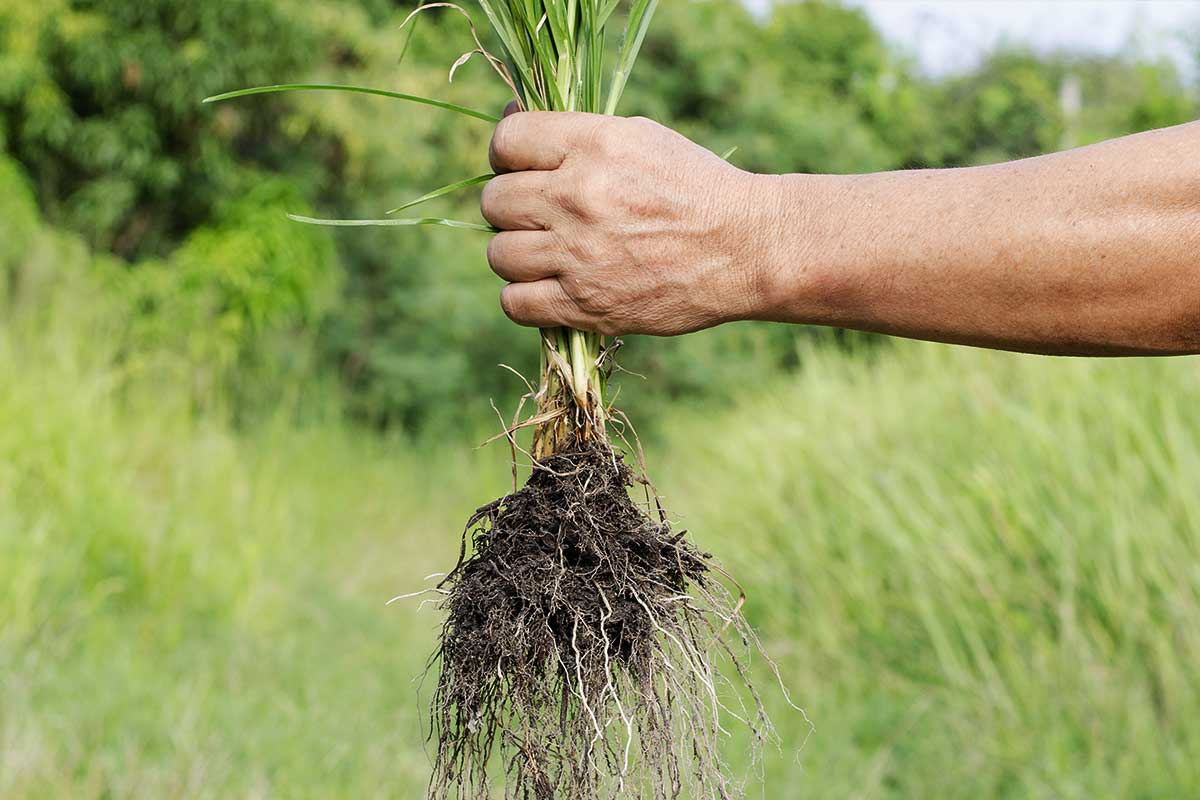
[577,655]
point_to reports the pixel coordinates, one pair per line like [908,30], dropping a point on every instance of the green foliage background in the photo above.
[226,438]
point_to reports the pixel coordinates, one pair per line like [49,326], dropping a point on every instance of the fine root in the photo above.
[577,658]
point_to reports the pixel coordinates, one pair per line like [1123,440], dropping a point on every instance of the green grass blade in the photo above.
[556,18]
[635,33]
[523,62]
[453,187]
[407,42]
[606,11]
[306,87]
[725,156]
[501,19]
[540,50]
[394,221]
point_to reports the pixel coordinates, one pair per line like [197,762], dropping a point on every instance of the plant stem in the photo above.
[556,54]
[579,370]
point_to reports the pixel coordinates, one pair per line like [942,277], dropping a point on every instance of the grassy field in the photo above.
[980,574]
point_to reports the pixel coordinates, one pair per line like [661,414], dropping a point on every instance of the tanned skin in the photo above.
[624,226]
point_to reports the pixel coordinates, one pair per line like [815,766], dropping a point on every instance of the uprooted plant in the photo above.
[578,654]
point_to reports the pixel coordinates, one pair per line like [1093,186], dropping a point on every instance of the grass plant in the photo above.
[576,657]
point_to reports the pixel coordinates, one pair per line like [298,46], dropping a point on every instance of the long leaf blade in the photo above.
[635,34]
[447,189]
[307,87]
[394,222]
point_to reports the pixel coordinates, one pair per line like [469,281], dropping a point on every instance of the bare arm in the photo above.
[625,226]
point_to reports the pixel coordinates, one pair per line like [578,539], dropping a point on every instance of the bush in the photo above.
[100,103]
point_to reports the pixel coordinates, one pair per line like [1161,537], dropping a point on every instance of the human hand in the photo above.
[619,225]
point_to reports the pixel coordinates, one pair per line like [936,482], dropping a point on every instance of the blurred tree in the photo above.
[230,283]
[100,101]
[812,88]
[19,222]
[1008,108]
[1121,95]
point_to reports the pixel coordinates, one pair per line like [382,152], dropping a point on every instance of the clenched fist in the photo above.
[620,225]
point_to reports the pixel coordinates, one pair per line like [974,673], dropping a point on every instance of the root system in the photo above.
[578,656]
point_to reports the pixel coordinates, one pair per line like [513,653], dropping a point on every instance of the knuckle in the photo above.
[609,136]
[574,289]
[614,136]
[567,191]
[593,304]
[648,130]
[607,325]
[581,249]
[585,294]
[580,296]
[587,194]
[598,195]
[591,198]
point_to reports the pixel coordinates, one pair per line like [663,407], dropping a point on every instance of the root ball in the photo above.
[576,655]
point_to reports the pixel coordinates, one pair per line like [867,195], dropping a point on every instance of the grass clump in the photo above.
[575,656]
[578,632]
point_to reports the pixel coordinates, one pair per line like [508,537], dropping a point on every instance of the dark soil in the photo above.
[575,660]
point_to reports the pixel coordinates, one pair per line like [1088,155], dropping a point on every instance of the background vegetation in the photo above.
[226,439]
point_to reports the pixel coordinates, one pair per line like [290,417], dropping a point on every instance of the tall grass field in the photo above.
[980,574]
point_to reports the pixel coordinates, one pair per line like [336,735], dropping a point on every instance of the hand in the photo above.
[619,225]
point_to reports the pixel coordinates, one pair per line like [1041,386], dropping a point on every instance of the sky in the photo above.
[947,36]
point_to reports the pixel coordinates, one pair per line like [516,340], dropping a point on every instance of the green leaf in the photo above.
[635,32]
[453,187]
[606,11]
[305,87]
[394,221]
[725,156]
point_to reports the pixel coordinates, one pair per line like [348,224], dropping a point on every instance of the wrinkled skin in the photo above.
[619,226]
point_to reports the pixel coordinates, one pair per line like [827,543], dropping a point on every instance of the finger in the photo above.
[517,201]
[537,139]
[540,304]
[522,256]
[512,108]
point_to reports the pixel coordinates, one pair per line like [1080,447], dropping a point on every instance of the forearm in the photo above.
[1093,251]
